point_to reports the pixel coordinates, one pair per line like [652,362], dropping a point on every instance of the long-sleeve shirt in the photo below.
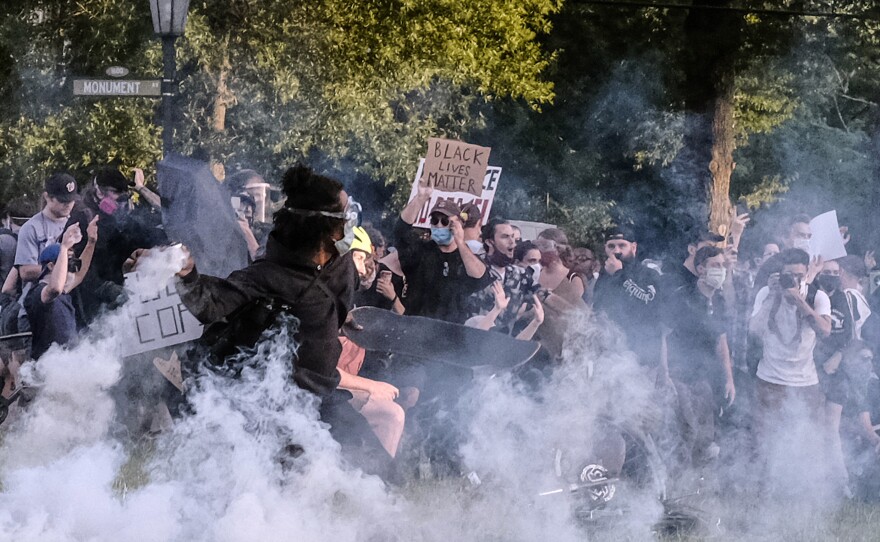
[291,279]
[438,285]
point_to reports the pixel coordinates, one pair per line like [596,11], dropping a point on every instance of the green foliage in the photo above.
[355,86]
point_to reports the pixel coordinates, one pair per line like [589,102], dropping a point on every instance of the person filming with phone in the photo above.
[789,326]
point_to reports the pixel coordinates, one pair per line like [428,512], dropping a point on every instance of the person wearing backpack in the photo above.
[310,274]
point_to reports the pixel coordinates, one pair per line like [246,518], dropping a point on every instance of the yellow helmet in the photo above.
[361,241]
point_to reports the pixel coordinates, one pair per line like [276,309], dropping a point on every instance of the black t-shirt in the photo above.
[678,277]
[841,326]
[53,322]
[631,298]
[438,285]
[697,323]
[370,297]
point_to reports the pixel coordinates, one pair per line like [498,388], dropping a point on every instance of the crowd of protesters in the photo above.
[779,335]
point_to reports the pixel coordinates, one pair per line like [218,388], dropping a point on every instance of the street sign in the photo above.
[117,71]
[117,87]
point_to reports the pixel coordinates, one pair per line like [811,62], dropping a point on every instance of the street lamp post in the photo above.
[169,22]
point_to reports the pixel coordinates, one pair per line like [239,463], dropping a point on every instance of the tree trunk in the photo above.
[224,97]
[722,165]
[713,41]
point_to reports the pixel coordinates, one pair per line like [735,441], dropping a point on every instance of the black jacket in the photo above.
[290,279]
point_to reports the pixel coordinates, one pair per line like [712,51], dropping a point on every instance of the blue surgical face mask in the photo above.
[441,236]
[344,245]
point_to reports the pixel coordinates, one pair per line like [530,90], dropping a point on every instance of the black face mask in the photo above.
[829,283]
[74,265]
[499,259]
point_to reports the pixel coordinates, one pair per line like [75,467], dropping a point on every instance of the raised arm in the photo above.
[58,277]
[87,254]
[411,212]
[149,196]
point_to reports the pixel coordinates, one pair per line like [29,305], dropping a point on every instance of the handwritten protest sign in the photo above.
[826,241]
[157,320]
[454,166]
[483,201]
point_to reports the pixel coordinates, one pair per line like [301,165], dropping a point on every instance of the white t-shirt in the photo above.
[787,360]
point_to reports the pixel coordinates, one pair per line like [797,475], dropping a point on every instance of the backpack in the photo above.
[9,309]
[242,328]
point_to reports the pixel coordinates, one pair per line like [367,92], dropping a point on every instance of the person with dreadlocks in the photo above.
[309,271]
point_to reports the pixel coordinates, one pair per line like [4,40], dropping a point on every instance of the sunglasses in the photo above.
[439,220]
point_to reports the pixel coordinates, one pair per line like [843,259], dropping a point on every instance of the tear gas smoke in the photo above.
[219,474]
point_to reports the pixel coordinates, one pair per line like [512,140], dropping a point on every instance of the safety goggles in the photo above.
[351,213]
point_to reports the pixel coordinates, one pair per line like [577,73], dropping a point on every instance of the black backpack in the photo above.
[241,329]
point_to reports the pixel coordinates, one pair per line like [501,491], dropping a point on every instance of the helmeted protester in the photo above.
[441,272]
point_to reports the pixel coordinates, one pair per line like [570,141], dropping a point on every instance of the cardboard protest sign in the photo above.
[826,241]
[454,166]
[483,201]
[157,320]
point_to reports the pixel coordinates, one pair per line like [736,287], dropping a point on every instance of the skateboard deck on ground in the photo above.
[425,338]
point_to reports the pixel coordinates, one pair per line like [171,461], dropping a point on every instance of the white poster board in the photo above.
[826,240]
[157,320]
[484,201]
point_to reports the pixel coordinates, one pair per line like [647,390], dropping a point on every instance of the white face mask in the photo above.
[475,246]
[803,244]
[715,277]
[536,267]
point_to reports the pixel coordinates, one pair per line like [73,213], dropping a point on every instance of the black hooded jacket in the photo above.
[291,279]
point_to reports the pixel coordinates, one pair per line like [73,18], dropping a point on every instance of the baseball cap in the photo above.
[621,232]
[50,254]
[111,178]
[471,214]
[62,187]
[446,207]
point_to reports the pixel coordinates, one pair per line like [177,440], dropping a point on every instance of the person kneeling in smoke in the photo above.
[49,306]
[309,269]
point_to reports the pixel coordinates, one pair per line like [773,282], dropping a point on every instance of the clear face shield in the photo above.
[260,194]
